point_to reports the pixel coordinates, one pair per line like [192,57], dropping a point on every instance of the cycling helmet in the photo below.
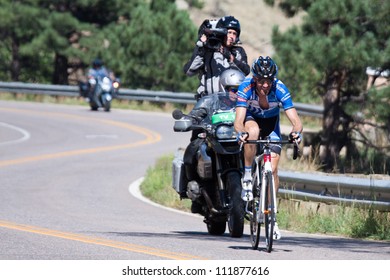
[230,22]
[231,78]
[264,68]
[97,63]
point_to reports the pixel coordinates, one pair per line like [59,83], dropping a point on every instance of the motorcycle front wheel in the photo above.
[216,227]
[106,100]
[237,206]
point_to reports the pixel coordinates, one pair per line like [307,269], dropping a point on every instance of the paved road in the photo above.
[65,174]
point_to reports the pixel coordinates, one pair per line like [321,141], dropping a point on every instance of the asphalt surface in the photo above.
[68,179]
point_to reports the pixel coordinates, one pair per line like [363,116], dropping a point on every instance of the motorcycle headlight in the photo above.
[106,87]
[115,84]
[106,84]
[224,132]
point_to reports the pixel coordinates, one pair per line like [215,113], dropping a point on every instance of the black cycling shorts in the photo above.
[267,126]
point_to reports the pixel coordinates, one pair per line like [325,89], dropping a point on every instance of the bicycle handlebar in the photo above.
[267,142]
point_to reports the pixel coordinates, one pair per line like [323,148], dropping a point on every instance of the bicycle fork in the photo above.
[267,168]
[260,189]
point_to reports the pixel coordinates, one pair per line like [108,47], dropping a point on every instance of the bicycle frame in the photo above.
[260,171]
[265,168]
[264,205]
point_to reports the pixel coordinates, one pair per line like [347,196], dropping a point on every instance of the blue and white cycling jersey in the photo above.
[247,97]
[279,94]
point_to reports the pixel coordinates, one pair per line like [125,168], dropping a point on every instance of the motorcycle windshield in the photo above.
[216,102]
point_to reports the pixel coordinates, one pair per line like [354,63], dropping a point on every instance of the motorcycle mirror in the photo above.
[177,114]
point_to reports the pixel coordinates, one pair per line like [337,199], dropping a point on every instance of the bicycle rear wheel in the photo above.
[269,215]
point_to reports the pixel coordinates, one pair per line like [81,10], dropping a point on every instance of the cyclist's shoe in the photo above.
[246,193]
[277,234]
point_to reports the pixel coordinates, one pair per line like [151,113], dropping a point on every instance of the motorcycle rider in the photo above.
[216,51]
[230,80]
[98,70]
[257,115]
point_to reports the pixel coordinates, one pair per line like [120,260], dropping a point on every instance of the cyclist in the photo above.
[257,115]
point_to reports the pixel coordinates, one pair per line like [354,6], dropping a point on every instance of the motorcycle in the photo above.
[212,177]
[104,91]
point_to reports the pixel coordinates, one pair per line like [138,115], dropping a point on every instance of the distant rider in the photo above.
[98,70]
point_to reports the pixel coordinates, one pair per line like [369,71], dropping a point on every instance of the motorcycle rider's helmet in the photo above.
[230,79]
[97,63]
[264,68]
[230,22]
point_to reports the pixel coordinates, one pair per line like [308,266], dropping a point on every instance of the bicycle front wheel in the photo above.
[269,215]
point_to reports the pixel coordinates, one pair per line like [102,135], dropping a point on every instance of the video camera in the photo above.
[215,36]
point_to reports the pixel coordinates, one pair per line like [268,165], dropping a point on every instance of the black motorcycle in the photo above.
[104,91]
[210,175]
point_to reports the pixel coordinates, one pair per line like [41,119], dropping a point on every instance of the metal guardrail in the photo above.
[340,189]
[130,94]
[311,187]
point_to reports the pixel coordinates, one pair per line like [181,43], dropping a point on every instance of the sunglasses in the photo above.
[263,81]
[232,89]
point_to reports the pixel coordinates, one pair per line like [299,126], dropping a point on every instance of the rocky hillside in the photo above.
[256,19]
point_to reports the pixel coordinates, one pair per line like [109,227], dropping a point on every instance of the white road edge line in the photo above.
[135,191]
[25,134]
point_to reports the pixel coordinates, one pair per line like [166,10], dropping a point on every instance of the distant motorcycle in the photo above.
[215,185]
[104,91]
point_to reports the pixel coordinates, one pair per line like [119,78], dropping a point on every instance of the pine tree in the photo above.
[327,57]
[19,25]
[145,42]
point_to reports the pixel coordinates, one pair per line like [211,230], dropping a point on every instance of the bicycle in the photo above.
[262,208]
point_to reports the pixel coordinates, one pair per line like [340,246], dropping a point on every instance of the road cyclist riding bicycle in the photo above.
[262,209]
[257,117]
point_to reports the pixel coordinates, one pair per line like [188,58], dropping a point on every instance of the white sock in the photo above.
[248,173]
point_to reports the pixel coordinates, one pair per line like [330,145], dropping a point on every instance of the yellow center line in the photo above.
[100,241]
[151,137]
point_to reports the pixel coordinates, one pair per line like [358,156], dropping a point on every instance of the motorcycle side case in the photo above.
[83,89]
[178,173]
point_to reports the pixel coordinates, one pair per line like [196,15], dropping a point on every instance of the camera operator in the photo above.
[216,51]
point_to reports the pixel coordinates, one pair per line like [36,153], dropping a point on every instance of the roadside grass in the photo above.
[294,215]
[157,185]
